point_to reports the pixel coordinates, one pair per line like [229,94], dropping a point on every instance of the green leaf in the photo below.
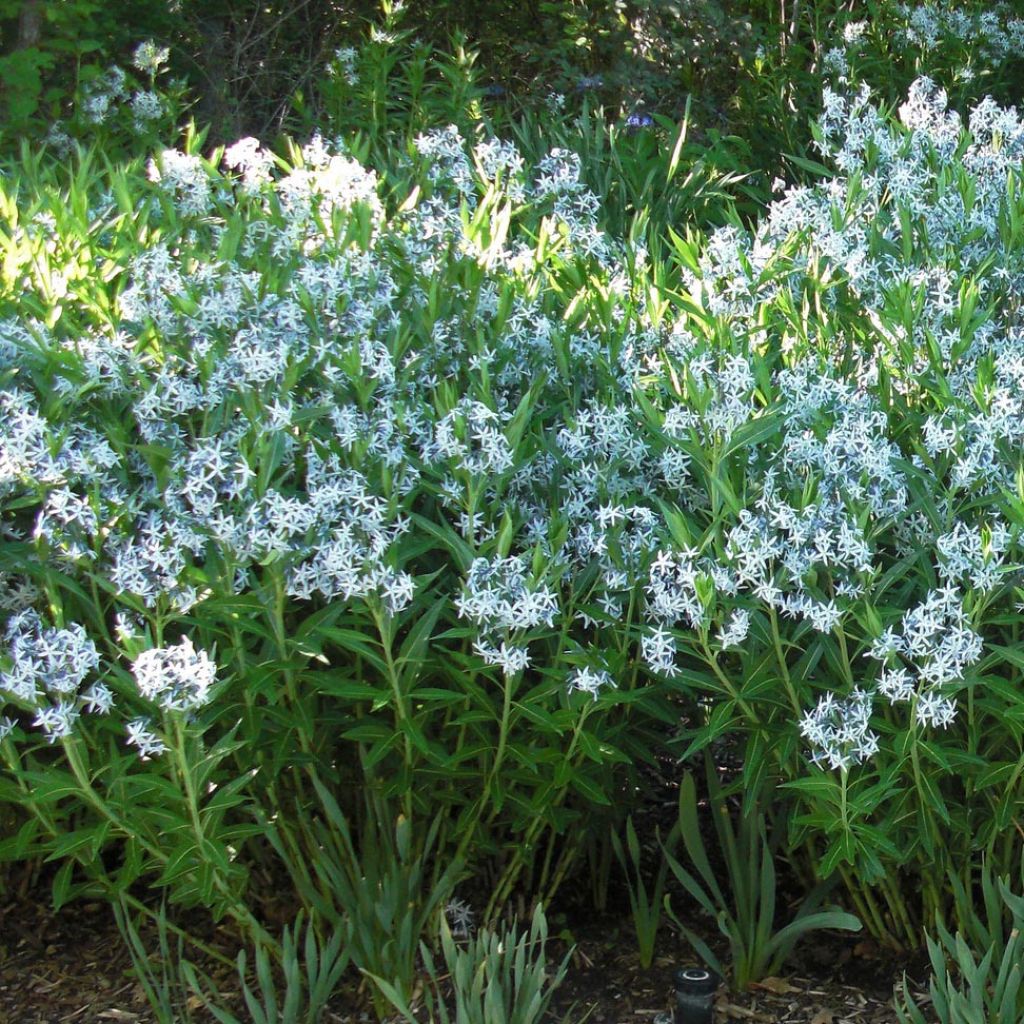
[811,166]
[841,851]
[784,939]
[62,888]
[413,650]
[753,433]
[588,788]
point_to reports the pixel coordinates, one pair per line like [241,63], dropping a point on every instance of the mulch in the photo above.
[72,968]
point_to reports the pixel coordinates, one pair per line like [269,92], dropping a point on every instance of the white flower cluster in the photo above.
[344,65]
[958,42]
[248,156]
[996,30]
[499,598]
[104,96]
[447,161]
[101,96]
[839,730]
[915,219]
[574,205]
[496,163]
[140,734]
[307,381]
[46,672]
[659,651]
[933,648]
[974,553]
[150,58]
[590,681]
[672,593]
[357,528]
[176,678]
[328,180]
[183,176]
[735,631]
[469,437]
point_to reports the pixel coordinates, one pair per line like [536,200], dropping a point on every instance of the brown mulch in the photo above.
[832,980]
[72,967]
[64,967]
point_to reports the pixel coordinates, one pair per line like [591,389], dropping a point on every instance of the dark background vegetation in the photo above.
[252,65]
[748,69]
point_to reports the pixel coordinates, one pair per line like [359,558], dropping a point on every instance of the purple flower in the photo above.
[638,120]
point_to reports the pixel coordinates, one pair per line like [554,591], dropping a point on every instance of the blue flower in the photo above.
[638,120]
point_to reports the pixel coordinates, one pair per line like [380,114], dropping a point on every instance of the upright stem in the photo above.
[236,907]
[514,867]
[727,684]
[866,907]
[844,652]
[281,640]
[898,907]
[783,665]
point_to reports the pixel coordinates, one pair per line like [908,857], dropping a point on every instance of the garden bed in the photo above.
[500,545]
[72,967]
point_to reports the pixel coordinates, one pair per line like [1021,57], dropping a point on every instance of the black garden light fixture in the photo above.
[695,995]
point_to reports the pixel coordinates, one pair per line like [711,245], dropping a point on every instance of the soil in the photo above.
[831,980]
[72,968]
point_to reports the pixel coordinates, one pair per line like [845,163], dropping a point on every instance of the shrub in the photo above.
[447,464]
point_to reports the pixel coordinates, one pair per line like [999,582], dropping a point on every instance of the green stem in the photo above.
[867,909]
[281,640]
[566,858]
[141,908]
[101,806]
[401,711]
[503,730]
[898,909]
[844,652]
[524,847]
[712,660]
[783,665]
[469,831]
[922,795]
[236,907]
[93,866]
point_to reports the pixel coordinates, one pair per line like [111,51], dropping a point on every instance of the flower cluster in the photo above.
[317,394]
[967,48]
[175,678]
[838,730]
[46,673]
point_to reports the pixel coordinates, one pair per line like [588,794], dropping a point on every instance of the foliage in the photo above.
[374,505]
[645,908]
[312,971]
[56,55]
[976,974]
[494,978]
[380,895]
[744,908]
[240,597]
[165,992]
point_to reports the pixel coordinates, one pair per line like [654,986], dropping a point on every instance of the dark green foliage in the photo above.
[748,69]
[49,47]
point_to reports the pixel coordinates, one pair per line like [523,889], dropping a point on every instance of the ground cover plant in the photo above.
[377,503]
